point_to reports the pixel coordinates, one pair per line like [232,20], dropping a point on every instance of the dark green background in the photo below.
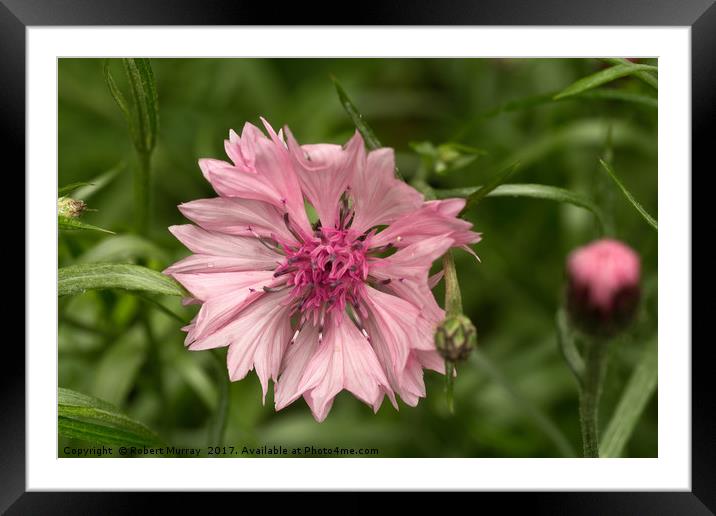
[503,399]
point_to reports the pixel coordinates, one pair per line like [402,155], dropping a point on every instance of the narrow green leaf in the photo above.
[371,140]
[99,182]
[646,77]
[69,223]
[365,130]
[69,188]
[117,369]
[638,392]
[144,93]
[479,194]
[645,215]
[602,77]
[119,98]
[76,279]
[534,191]
[96,421]
[196,378]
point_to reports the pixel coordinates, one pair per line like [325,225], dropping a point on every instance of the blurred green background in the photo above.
[517,398]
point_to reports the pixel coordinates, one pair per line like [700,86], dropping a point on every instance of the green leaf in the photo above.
[142,115]
[638,392]
[76,279]
[534,191]
[368,135]
[96,421]
[646,77]
[122,248]
[144,92]
[115,373]
[645,215]
[119,97]
[69,223]
[602,77]
[70,188]
[479,194]
[195,377]
[446,157]
[99,182]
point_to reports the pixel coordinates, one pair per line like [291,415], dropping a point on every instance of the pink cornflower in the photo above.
[603,286]
[344,303]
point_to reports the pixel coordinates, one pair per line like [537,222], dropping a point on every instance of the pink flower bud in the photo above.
[603,290]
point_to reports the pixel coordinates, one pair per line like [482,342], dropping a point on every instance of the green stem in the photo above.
[141,193]
[155,358]
[570,353]
[453,298]
[218,425]
[594,368]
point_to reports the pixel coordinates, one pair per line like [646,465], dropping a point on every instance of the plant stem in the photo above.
[449,385]
[594,369]
[155,359]
[141,193]
[217,427]
[453,298]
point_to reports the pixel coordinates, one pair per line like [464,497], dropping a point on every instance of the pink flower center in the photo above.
[326,272]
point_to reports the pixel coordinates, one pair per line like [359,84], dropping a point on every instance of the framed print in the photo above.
[415,256]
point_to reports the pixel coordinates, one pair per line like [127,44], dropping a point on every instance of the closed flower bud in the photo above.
[603,287]
[68,207]
[455,338]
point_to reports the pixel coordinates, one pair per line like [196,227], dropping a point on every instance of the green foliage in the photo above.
[72,223]
[122,341]
[482,192]
[447,157]
[637,393]
[645,215]
[545,192]
[70,188]
[602,77]
[76,279]
[95,421]
[142,114]
[361,124]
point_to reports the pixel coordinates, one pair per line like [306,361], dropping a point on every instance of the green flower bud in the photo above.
[455,338]
[72,208]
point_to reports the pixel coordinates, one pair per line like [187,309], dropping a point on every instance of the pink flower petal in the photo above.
[344,359]
[250,249]
[426,222]
[208,263]
[257,337]
[325,171]
[399,324]
[204,286]
[379,197]
[237,217]
[295,361]
[407,273]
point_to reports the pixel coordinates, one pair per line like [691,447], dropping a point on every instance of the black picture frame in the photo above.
[17,15]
